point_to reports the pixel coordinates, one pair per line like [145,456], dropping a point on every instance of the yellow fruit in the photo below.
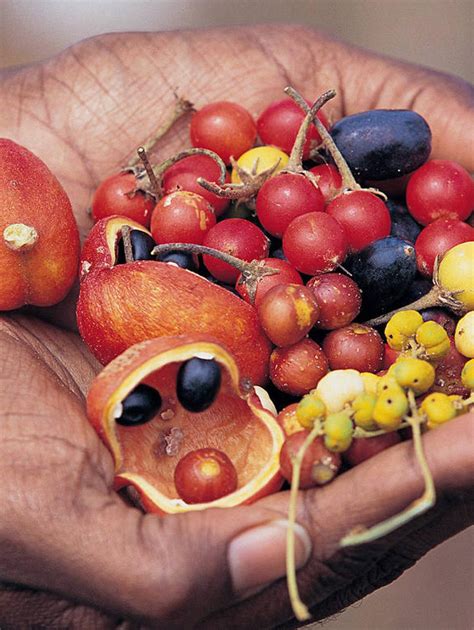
[415,374]
[338,431]
[260,159]
[391,406]
[363,407]
[467,374]
[464,334]
[401,327]
[438,408]
[338,388]
[456,273]
[309,409]
[370,382]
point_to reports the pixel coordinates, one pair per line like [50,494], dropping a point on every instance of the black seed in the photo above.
[139,406]
[142,244]
[185,260]
[198,383]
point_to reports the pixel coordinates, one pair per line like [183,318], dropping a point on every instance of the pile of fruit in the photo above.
[332,265]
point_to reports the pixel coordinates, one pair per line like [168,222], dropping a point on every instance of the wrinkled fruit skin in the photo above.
[31,195]
[145,457]
[122,305]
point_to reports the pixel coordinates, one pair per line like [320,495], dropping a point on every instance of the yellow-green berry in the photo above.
[309,409]
[412,373]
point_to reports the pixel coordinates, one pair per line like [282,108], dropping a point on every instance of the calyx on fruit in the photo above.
[120,305]
[240,422]
[39,239]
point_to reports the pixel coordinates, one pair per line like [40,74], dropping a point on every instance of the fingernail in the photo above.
[257,557]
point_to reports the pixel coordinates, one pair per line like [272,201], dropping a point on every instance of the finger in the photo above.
[367,494]
[172,570]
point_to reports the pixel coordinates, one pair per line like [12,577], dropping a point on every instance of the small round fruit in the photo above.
[181,217]
[237,237]
[440,188]
[412,373]
[139,406]
[365,448]
[456,273]
[288,420]
[226,128]
[309,409]
[329,180]
[355,346]
[280,122]
[338,388]
[363,215]
[319,465]
[436,239]
[363,411]
[198,383]
[287,274]
[120,194]
[287,312]
[260,159]
[205,475]
[464,335]
[402,327]
[297,369]
[438,408]
[315,243]
[434,338]
[467,374]
[339,299]
[141,244]
[338,432]
[390,407]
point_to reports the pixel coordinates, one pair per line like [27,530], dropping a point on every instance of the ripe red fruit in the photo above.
[181,217]
[440,189]
[364,216]
[184,174]
[287,274]
[355,346]
[284,197]
[338,297]
[297,369]
[435,240]
[389,356]
[365,448]
[120,194]
[288,421]
[205,475]
[237,237]
[279,124]
[225,128]
[287,312]
[315,243]
[329,180]
[319,465]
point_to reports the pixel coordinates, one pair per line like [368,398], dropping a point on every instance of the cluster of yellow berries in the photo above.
[345,400]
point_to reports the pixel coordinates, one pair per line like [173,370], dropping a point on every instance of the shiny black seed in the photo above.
[198,383]
[142,244]
[185,260]
[139,406]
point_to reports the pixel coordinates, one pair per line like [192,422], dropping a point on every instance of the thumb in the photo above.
[172,570]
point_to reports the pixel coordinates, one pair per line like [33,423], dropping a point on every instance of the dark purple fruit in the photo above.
[403,224]
[139,406]
[384,270]
[383,143]
[142,244]
[185,260]
[198,384]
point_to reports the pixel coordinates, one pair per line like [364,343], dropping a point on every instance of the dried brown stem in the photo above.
[242,192]
[181,107]
[127,243]
[155,184]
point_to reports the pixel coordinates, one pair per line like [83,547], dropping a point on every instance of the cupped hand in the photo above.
[82,556]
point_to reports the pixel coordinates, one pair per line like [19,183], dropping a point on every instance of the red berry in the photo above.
[338,297]
[435,240]
[389,356]
[315,243]
[364,216]
[284,197]
[225,128]
[184,174]
[181,217]
[287,274]
[365,448]
[237,237]
[440,189]
[355,346]
[297,369]
[119,194]
[329,180]
[287,312]
[280,122]
[205,475]
[288,421]
[319,465]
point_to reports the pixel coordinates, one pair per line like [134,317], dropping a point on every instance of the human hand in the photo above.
[84,113]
